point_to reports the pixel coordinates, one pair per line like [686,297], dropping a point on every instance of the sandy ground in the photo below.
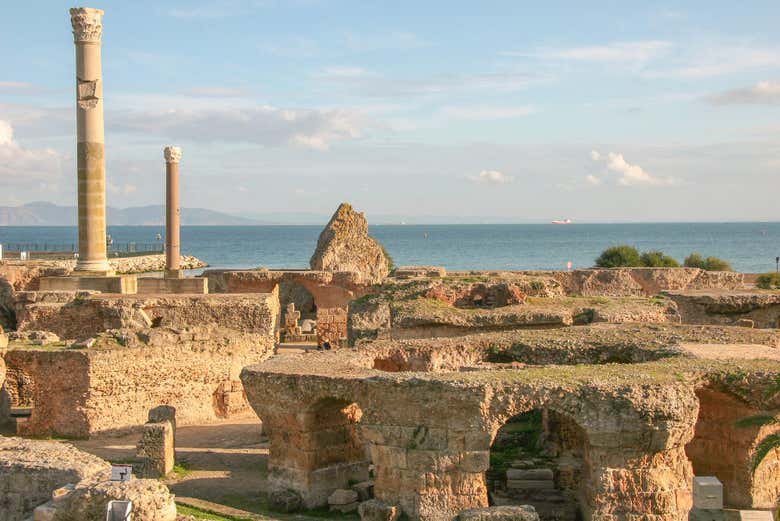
[223,460]
[732,351]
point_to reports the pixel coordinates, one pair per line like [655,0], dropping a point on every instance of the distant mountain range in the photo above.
[48,214]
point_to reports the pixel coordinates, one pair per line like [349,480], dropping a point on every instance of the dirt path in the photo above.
[225,462]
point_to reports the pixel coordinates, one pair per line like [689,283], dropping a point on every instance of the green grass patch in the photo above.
[180,470]
[198,513]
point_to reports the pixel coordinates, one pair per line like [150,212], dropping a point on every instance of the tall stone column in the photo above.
[87,31]
[172,212]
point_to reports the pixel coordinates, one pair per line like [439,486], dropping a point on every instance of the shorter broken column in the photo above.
[172,213]
[156,448]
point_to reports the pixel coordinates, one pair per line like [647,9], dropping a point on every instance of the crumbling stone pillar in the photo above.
[90,152]
[156,449]
[331,325]
[316,451]
[172,212]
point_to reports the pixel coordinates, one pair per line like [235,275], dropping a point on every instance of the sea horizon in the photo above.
[750,246]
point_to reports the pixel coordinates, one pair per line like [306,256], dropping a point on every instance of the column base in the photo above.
[93,268]
[121,284]
[173,274]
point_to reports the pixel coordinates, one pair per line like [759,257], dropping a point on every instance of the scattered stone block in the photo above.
[500,513]
[84,344]
[698,514]
[375,510]
[749,515]
[530,484]
[746,322]
[707,493]
[284,500]
[163,413]
[3,340]
[44,512]
[531,474]
[151,500]
[342,496]
[364,489]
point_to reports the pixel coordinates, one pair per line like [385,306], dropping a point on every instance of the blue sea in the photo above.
[750,247]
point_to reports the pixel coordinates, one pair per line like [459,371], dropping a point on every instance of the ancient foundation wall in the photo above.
[165,286]
[78,315]
[763,309]
[77,392]
[723,449]
[625,282]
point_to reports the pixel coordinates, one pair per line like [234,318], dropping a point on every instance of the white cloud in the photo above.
[716,59]
[630,174]
[763,93]
[486,112]
[592,179]
[263,125]
[641,51]
[491,177]
[20,166]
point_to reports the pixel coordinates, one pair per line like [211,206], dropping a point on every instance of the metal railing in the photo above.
[119,247]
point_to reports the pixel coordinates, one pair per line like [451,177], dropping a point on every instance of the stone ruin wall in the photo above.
[760,310]
[81,392]
[191,360]
[717,433]
[430,442]
[331,292]
[79,315]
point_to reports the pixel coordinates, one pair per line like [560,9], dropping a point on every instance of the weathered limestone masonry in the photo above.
[83,314]
[751,309]
[30,470]
[332,292]
[111,386]
[429,436]
[87,32]
[172,249]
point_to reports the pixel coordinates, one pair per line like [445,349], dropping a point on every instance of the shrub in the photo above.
[768,281]
[716,264]
[695,260]
[658,259]
[619,256]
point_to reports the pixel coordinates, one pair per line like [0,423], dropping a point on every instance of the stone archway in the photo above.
[724,446]
[537,458]
[318,451]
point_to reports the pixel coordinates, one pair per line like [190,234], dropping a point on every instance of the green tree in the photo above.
[618,257]
[658,259]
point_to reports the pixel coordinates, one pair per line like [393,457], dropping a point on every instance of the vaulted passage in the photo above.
[537,458]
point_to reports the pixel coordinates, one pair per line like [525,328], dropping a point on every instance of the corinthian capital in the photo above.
[87,24]
[172,154]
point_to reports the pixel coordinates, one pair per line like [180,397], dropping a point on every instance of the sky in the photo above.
[496,111]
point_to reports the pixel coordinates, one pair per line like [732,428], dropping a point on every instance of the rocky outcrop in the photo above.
[344,245]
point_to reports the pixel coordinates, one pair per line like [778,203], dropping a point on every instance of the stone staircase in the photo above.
[536,486]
